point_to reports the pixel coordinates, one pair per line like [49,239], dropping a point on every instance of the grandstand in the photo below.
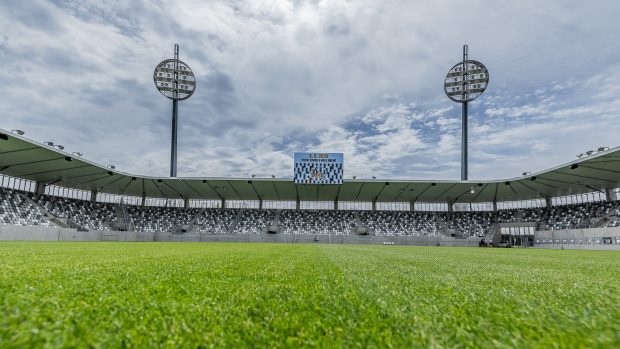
[48,188]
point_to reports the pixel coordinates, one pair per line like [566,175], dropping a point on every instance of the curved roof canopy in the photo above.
[23,158]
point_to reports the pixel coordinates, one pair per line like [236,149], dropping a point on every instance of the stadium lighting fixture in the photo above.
[175,80]
[112,167]
[253,176]
[527,173]
[589,152]
[60,147]
[466,81]
[77,153]
[354,177]
[273,176]
[19,132]
[581,155]
[603,148]
[374,177]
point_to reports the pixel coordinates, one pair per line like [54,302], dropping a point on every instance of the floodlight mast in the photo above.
[465,82]
[175,115]
[175,80]
[464,164]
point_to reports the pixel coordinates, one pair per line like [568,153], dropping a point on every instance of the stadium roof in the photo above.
[23,158]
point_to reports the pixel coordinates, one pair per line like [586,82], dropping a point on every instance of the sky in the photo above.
[364,78]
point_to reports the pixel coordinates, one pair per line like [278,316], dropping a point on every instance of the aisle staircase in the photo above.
[61,222]
[493,235]
[123,219]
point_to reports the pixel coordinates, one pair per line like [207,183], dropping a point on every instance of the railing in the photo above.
[125,217]
[600,240]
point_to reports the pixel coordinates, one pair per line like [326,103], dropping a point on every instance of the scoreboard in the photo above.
[318,168]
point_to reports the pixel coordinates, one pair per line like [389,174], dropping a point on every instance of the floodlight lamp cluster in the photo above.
[592,152]
[466,81]
[174,79]
[51,144]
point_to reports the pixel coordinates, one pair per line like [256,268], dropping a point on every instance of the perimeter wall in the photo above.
[555,239]
[34,233]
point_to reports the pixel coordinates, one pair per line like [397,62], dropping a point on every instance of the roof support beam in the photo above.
[380,191]
[422,192]
[198,195]
[33,162]
[359,191]
[19,150]
[235,190]
[258,197]
[443,192]
[530,188]
[50,171]
[174,190]
[599,169]
[587,177]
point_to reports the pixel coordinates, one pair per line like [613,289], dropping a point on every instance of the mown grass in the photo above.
[262,295]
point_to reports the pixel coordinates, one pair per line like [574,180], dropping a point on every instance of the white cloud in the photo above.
[363,78]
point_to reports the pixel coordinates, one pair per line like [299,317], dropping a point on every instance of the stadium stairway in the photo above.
[275,223]
[444,228]
[493,235]
[233,226]
[604,220]
[123,219]
[194,222]
[52,218]
[541,224]
[359,229]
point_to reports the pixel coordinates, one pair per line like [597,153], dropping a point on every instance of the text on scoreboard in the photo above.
[318,168]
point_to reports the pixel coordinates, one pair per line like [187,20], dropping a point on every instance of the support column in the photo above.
[450,207]
[374,205]
[412,206]
[335,205]
[548,201]
[611,194]
[494,205]
[297,204]
[93,196]
[143,202]
[40,188]
[185,202]
[260,204]
[223,201]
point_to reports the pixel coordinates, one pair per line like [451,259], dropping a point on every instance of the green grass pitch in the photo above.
[237,295]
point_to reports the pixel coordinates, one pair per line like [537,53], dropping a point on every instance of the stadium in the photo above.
[52,195]
[95,256]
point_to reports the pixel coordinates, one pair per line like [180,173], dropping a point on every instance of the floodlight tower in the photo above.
[176,81]
[465,82]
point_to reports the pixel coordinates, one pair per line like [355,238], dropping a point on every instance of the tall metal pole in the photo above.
[175,116]
[464,143]
[461,88]
[464,119]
